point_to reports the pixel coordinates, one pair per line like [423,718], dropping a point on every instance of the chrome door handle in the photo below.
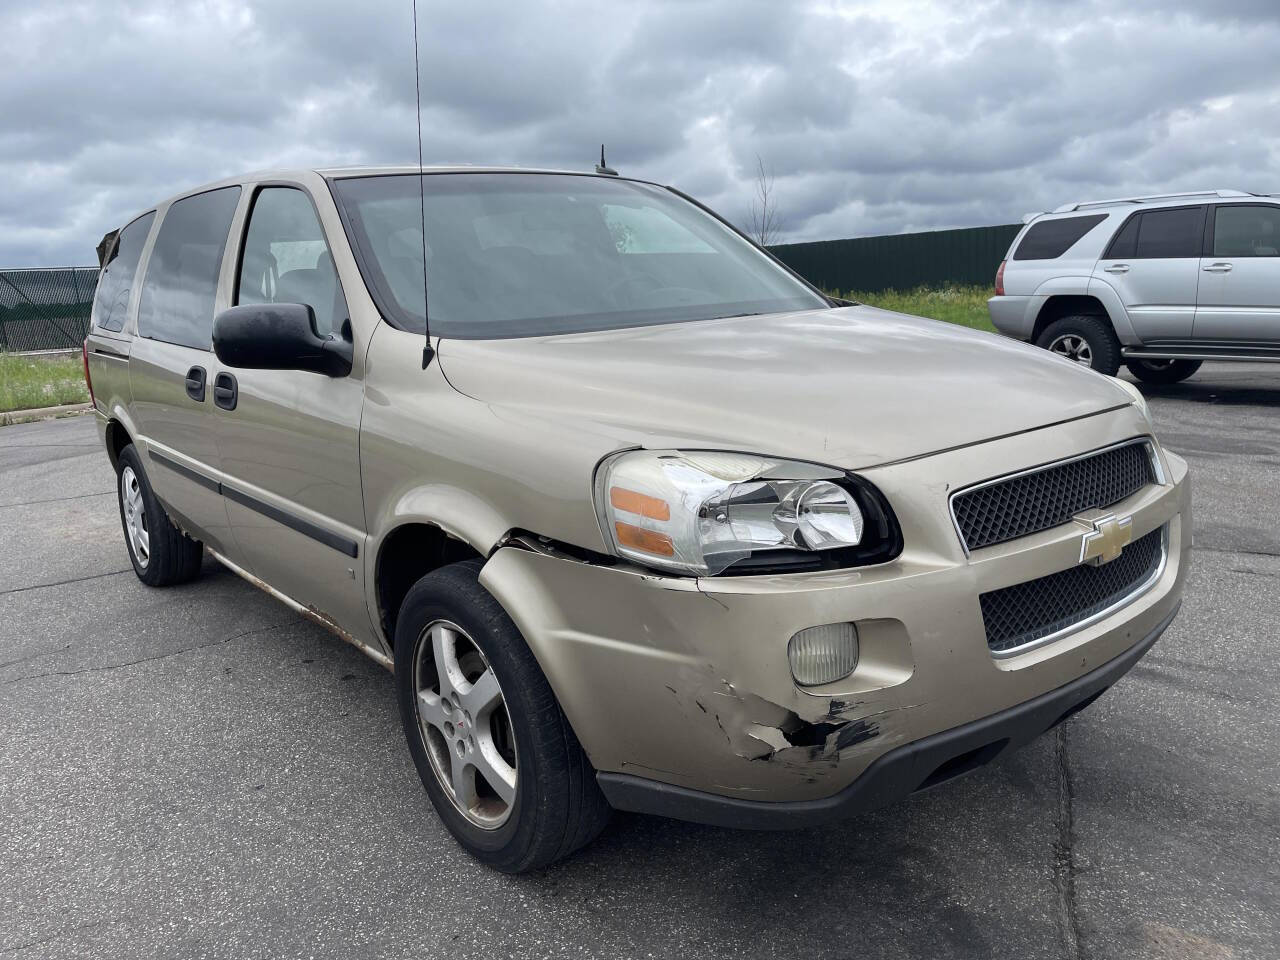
[1117,268]
[1217,268]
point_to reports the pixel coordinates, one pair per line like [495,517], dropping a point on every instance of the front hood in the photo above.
[852,387]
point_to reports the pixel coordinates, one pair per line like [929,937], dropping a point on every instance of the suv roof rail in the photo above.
[1069,207]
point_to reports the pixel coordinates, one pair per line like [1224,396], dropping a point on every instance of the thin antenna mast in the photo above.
[427,351]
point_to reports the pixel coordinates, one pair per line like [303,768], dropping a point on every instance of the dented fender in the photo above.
[660,679]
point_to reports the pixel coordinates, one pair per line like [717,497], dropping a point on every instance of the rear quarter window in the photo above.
[115,282]
[182,274]
[1050,239]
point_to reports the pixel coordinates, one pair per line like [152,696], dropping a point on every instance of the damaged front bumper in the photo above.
[892,776]
[681,692]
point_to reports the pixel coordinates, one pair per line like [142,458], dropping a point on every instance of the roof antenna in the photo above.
[427,351]
[602,167]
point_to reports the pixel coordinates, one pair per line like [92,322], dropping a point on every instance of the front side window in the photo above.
[111,300]
[1171,233]
[182,274]
[286,258]
[1246,231]
[516,255]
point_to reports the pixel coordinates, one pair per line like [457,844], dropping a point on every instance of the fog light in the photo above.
[823,654]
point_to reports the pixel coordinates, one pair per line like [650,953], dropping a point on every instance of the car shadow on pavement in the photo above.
[921,874]
[1218,392]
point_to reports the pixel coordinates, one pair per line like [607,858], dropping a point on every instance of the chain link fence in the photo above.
[45,308]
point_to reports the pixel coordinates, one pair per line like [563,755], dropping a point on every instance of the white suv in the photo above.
[1159,284]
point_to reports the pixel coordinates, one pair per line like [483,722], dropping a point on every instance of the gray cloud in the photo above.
[876,117]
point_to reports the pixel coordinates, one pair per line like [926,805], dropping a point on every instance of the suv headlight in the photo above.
[702,512]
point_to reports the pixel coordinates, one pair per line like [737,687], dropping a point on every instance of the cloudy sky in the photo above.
[876,117]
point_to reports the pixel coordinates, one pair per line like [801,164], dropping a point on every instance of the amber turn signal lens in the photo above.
[637,538]
[639,503]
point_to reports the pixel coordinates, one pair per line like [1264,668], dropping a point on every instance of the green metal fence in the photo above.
[48,308]
[45,308]
[903,261]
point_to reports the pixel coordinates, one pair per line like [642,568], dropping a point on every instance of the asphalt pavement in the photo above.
[199,772]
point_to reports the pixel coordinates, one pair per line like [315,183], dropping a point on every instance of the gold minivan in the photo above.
[640,519]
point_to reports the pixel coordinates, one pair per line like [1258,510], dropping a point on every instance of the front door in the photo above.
[290,443]
[1154,265]
[1239,299]
[171,364]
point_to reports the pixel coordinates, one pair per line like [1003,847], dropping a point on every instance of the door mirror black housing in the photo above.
[278,336]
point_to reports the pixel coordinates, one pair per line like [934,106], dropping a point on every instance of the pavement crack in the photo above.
[1245,551]
[32,656]
[159,656]
[38,446]
[1255,573]
[1064,863]
[41,941]
[78,496]
[63,583]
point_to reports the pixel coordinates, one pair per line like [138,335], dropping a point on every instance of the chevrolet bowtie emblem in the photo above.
[1109,536]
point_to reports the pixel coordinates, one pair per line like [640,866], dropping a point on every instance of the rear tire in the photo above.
[162,555]
[507,725]
[1162,371]
[1086,339]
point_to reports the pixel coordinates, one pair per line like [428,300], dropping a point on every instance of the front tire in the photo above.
[495,752]
[1162,371]
[162,555]
[1085,339]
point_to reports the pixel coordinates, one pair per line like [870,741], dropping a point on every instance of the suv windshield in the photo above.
[518,255]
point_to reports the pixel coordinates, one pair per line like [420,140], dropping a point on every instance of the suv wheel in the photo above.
[493,748]
[162,555]
[1086,339]
[1162,371]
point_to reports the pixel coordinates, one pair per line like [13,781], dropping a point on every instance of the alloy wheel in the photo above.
[1073,347]
[464,724]
[135,517]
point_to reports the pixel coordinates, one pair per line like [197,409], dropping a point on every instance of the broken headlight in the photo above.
[703,512]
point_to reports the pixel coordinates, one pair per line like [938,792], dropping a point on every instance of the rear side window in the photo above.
[111,301]
[1246,231]
[1049,239]
[1170,233]
[182,274]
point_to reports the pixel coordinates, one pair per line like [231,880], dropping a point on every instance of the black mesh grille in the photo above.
[1037,501]
[1026,612]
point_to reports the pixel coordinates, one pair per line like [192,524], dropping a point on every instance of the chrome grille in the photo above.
[1027,612]
[1037,500]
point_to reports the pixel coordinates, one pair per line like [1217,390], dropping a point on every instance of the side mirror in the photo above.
[278,336]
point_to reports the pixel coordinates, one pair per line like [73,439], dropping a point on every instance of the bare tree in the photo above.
[765,224]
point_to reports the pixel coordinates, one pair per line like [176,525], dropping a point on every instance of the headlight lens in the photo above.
[700,512]
[1139,400]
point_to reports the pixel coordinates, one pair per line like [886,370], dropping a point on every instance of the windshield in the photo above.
[519,255]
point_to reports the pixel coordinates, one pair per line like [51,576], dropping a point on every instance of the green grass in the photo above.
[966,306]
[28,382]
